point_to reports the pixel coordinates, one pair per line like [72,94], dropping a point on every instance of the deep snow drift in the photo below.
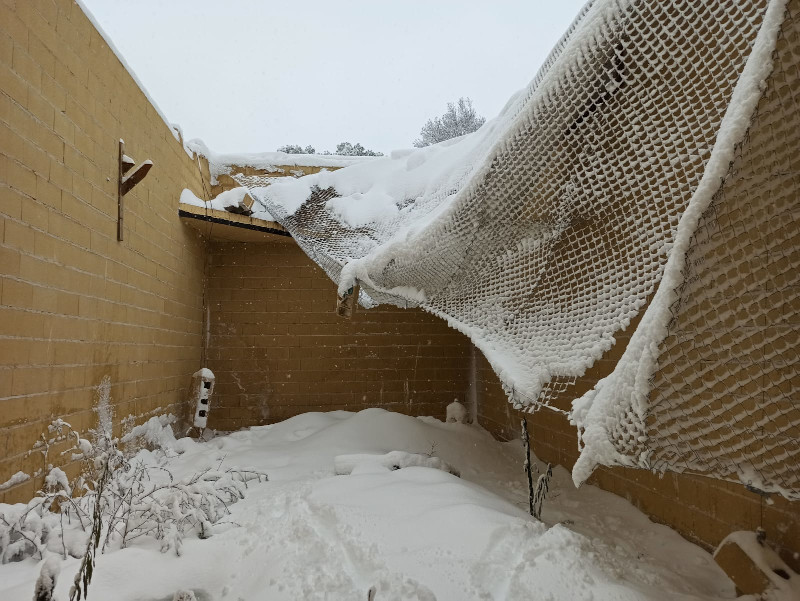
[416,533]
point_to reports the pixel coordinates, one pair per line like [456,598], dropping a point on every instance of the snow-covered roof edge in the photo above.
[122,60]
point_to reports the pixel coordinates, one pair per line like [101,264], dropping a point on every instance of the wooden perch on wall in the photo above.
[127,182]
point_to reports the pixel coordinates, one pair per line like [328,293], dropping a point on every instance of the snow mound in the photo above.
[395,460]
[409,534]
[456,413]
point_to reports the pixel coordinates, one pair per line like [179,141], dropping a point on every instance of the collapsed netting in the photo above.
[552,235]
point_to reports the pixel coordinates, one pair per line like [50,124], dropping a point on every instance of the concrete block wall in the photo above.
[278,349]
[75,304]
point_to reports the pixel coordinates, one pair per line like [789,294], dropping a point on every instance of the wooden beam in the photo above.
[135,176]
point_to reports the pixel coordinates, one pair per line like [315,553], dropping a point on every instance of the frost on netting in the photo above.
[543,234]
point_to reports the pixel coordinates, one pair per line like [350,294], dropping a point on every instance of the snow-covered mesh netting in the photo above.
[542,235]
[725,395]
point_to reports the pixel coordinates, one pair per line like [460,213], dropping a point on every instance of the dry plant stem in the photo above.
[63,543]
[61,496]
[127,523]
[542,488]
[526,441]
[123,505]
[84,575]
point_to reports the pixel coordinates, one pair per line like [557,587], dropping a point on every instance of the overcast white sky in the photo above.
[252,75]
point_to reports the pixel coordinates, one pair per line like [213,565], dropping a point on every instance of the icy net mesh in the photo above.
[726,395]
[550,238]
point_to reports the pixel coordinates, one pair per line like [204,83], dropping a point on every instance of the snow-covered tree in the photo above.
[348,149]
[460,118]
[296,149]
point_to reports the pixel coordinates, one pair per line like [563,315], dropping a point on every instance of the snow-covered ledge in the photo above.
[224,225]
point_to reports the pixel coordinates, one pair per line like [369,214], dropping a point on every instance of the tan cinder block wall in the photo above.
[76,304]
[278,349]
[738,317]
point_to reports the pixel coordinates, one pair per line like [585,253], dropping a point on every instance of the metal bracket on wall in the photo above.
[127,182]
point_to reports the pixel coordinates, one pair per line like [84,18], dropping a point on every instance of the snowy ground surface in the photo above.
[413,534]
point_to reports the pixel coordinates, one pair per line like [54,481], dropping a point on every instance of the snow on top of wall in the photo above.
[223,200]
[223,163]
[122,60]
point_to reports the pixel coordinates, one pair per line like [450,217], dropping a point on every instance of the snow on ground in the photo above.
[412,534]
